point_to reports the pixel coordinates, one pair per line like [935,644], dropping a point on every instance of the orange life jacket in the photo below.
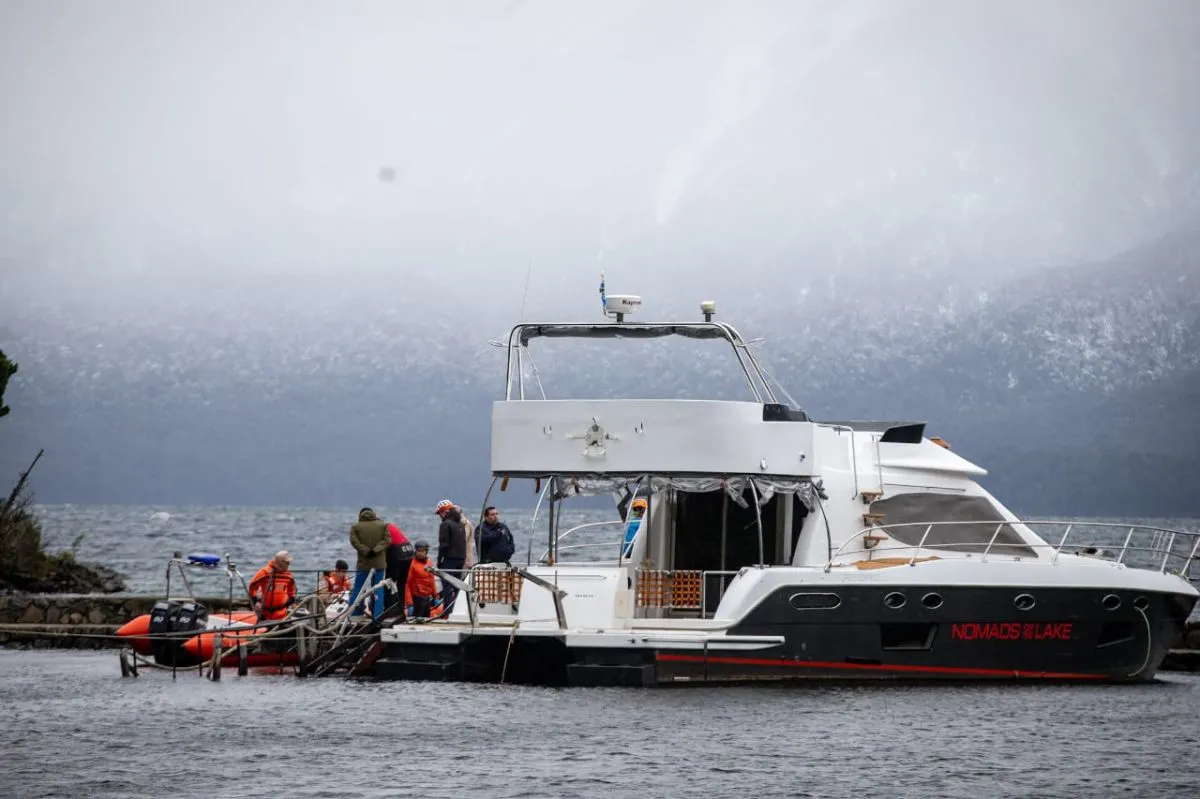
[420,582]
[275,589]
[336,583]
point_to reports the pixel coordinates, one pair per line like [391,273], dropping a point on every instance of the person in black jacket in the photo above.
[452,548]
[495,539]
[399,558]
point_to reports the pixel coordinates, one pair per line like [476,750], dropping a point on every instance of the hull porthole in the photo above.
[1024,601]
[895,600]
[815,601]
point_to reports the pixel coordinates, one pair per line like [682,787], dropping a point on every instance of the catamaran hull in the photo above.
[973,634]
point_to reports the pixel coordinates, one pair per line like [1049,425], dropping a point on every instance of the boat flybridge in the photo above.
[777,547]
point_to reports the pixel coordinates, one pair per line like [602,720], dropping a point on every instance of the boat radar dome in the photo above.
[617,305]
[708,308]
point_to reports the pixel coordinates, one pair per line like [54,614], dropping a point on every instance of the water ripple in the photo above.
[75,728]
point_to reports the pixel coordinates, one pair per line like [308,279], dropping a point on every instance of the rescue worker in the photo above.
[420,590]
[636,511]
[273,589]
[370,539]
[333,583]
[452,548]
[399,556]
[495,538]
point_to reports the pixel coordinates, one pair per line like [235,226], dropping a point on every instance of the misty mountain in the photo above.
[1077,389]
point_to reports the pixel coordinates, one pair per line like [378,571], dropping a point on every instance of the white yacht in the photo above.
[777,547]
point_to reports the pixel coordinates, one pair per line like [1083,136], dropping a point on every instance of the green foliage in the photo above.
[23,559]
[25,565]
[7,370]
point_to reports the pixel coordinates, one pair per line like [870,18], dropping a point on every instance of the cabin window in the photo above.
[907,517]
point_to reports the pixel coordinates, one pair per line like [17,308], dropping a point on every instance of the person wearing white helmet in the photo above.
[452,548]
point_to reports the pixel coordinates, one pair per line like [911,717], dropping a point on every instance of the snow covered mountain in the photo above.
[1078,389]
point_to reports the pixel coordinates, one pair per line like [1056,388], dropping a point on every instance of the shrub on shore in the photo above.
[24,563]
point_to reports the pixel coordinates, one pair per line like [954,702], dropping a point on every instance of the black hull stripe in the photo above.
[878,667]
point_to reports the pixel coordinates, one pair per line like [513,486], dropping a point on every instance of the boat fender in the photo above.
[204,558]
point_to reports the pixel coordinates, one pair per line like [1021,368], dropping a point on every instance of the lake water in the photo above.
[138,540]
[72,727]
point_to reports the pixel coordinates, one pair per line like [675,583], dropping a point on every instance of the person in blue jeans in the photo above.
[636,511]
[370,538]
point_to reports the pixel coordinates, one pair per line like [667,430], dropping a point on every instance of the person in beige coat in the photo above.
[470,528]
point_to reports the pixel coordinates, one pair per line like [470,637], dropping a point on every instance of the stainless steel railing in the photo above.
[618,546]
[1165,544]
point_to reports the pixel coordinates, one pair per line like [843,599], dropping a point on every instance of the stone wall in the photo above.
[76,621]
[73,609]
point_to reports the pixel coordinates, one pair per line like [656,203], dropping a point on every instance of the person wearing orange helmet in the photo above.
[636,511]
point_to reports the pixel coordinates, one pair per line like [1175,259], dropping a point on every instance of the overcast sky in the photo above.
[150,148]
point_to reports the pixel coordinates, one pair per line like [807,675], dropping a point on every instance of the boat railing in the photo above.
[502,583]
[1114,541]
[618,546]
[459,582]
[581,547]
[758,378]
[224,566]
[685,590]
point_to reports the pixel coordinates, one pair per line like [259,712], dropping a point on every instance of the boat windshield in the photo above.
[638,361]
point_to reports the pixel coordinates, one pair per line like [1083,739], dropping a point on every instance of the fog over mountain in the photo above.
[254,254]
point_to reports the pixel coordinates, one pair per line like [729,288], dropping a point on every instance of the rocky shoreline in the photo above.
[62,574]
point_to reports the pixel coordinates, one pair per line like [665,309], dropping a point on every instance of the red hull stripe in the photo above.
[895,667]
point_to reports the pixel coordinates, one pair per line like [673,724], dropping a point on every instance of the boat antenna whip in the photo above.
[603,301]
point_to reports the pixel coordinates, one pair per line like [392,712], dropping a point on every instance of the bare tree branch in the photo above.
[19,487]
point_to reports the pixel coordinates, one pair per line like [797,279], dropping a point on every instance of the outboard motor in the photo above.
[192,617]
[174,619]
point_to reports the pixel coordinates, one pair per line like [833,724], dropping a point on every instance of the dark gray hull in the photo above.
[938,633]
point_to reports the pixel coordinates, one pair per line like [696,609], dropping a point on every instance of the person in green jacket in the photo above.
[370,539]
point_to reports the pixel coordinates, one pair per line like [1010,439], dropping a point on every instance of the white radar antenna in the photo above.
[615,306]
